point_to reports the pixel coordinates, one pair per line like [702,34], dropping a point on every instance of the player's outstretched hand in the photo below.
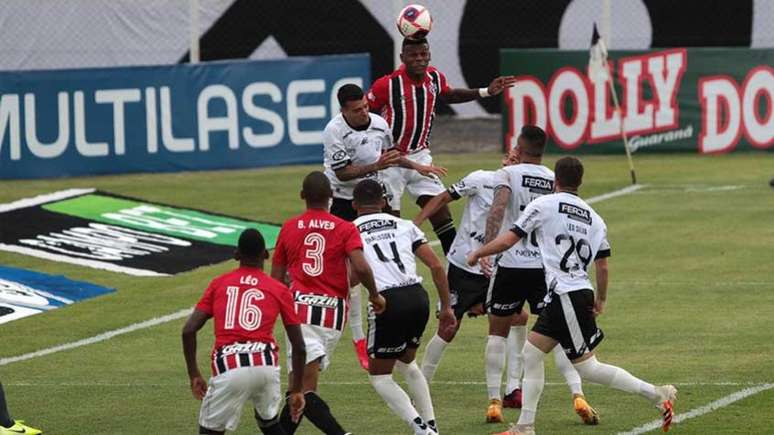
[388,159]
[446,321]
[599,307]
[296,402]
[378,303]
[198,387]
[499,84]
[486,266]
[427,170]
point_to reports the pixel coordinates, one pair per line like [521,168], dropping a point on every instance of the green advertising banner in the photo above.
[705,100]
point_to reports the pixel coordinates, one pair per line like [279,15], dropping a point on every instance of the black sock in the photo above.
[269,427]
[446,234]
[318,412]
[5,416]
[287,424]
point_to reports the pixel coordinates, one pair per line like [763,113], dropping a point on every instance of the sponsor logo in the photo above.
[317,300]
[537,184]
[637,142]
[395,349]
[576,213]
[505,306]
[377,225]
[480,238]
[249,347]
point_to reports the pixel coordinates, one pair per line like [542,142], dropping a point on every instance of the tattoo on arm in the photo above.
[495,219]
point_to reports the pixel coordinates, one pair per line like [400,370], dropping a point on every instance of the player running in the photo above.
[316,249]
[358,145]
[244,304]
[407,98]
[570,236]
[468,285]
[392,246]
[518,278]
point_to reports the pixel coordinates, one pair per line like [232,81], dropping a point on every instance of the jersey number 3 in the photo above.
[315,244]
[249,314]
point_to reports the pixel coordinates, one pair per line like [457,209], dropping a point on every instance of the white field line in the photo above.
[183,313]
[706,409]
[331,383]
[42,199]
[98,338]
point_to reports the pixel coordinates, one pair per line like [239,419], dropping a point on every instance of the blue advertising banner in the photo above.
[25,293]
[215,115]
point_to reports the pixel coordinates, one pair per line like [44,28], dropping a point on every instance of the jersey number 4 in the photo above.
[249,313]
[395,256]
[316,246]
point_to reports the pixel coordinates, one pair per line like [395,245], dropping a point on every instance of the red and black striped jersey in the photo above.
[408,106]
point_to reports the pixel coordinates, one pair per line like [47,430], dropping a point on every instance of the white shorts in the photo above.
[320,342]
[399,179]
[228,392]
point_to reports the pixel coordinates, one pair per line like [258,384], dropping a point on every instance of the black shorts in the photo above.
[467,289]
[342,208]
[511,287]
[401,325]
[569,319]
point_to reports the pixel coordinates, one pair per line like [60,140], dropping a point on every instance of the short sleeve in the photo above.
[208,298]
[353,240]
[335,152]
[603,251]
[467,186]
[279,258]
[417,237]
[502,178]
[287,306]
[444,83]
[529,220]
[377,95]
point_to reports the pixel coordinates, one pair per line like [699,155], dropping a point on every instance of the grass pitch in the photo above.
[691,302]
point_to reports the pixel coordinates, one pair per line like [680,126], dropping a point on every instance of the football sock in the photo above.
[417,384]
[615,377]
[516,339]
[5,416]
[532,386]
[356,314]
[495,363]
[396,398]
[318,412]
[271,426]
[446,234]
[571,375]
[433,353]
[288,426]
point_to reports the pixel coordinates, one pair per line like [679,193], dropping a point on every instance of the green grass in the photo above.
[691,302]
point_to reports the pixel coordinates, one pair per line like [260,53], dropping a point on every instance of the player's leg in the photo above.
[423,189]
[355,318]
[394,181]
[585,411]
[266,400]
[6,422]
[517,336]
[222,404]
[442,223]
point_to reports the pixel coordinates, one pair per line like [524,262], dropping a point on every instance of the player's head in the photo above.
[368,197]
[354,105]
[251,248]
[415,54]
[511,157]
[531,143]
[316,190]
[569,173]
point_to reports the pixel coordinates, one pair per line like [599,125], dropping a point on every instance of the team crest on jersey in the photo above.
[433,89]
[575,213]
[339,155]
[537,184]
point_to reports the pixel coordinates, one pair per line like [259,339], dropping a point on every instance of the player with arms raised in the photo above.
[316,249]
[244,305]
[392,246]
[407,98]
[570,236]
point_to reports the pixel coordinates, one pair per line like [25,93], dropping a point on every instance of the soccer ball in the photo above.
[414,22]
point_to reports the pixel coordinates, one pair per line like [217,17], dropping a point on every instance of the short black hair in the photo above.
[251,244]
[368,192]
[534,139]
[349,92]
[316,187]
[413,41]
[569,172]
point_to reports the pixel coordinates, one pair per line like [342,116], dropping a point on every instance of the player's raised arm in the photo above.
[424,170]
[498,85]
[501,243]
[446,316]
[195,322]
[432,207]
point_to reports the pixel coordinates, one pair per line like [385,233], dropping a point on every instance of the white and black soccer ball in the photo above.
[414,22]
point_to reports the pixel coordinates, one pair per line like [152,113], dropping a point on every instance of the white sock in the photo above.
[356,314]
[417,384]
[495,363]
[532,386]
[564,365]
[396,398]
[615,377]
[433,353]
[516,339]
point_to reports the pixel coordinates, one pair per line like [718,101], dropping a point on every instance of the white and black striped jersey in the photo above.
[526,181]
[478,187]
[571,235]
[389,243]
[344,145]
